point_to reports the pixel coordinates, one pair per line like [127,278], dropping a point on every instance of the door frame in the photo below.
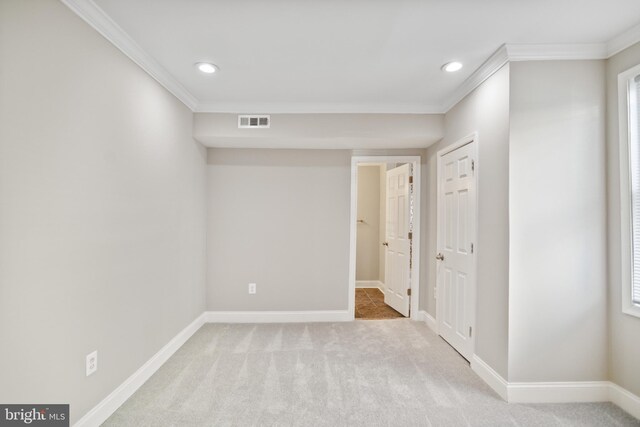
[415,251]
[471,138]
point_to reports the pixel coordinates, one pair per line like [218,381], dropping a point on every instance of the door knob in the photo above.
[385,244]
[440,257]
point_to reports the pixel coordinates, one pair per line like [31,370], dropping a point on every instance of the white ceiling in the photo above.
[343,55]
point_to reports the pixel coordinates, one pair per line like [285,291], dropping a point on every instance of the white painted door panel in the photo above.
[456,267]
[398,245]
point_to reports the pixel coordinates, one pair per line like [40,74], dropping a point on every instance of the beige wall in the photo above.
[624,330]
[485,110]
[103,225]
[280,219]
[102,206]
[368,231]
[557,211]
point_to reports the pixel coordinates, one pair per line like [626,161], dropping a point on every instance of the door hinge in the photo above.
[435,293]
[473,165]
[409,292]
[411,179]
[410,236]
[470,331]
[472,248]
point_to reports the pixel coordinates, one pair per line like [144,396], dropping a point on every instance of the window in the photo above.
[629,95]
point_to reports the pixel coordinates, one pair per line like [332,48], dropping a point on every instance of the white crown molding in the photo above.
[486,70]
[555,52]
[101,22]
[523,52]
[541,52]
[116,398]
[294,108]
[98,19]
[623,41]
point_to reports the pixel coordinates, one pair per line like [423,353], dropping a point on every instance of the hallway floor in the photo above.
[370,305]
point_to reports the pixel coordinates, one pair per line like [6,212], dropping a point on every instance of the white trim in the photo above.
[623,41]
[99,20]
[625,399]
[115,399]
[415,257]
[353,223]
[496,61]
[277,316]
[93,15]
[558,392]
[510,52]
[626,243]
[523,52]
[425,317]
[598,391]
[370,284]
[459,143]
[556,52]
[491,377]
[472,138]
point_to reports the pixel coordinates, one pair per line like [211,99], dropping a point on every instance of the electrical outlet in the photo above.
[92,362]
[252,288]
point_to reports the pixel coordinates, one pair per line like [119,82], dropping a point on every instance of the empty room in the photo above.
[319,213]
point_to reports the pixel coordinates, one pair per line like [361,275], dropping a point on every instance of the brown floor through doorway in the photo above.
[370,305]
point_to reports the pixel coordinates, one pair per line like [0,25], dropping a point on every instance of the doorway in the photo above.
[385,231]
[457,244]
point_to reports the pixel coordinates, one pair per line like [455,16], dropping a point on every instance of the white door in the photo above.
[397,260]
[455,259]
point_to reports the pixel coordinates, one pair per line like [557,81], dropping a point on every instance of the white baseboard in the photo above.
[541,392]
[625,399]
[113,401]
[588,391]
[491,377]
[277,316]
[425,317]
[370,284]
[559,392]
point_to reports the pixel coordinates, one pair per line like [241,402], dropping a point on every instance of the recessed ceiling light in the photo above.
[450,67]
[207,67]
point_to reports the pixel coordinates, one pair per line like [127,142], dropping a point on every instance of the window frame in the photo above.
[625,80]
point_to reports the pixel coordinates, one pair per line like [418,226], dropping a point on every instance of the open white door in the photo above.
[456,230]
[397,242]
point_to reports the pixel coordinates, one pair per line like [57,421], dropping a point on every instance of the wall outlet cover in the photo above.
[92,362]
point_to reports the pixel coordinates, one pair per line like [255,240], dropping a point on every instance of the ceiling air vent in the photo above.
[254,122]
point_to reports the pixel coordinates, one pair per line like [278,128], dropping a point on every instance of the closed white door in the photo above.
[398,245]
[455,259]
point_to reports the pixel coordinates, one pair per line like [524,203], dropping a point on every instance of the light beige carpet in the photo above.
[361,373]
